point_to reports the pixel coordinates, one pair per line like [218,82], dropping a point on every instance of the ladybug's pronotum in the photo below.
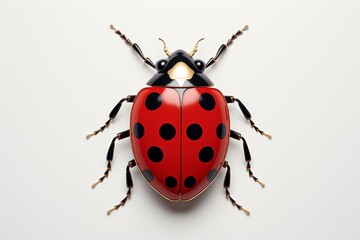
[179,127]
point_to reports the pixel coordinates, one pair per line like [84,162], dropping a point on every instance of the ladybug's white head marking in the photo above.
[180,72]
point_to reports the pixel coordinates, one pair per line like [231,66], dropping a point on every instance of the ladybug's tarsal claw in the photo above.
[95,184]
[110,210]
[261,183]
[90,135]
[268,136]
[247,212]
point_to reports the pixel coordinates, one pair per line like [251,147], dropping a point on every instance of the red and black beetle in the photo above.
[179,127]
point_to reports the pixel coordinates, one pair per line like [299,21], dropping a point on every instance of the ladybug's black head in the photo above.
[180,70]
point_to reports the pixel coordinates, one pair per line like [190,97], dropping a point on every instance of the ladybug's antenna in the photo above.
[192,53]
[165,48]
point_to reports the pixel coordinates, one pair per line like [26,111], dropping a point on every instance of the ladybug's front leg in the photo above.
[110,155]
[112,115]
[237,136]
[247,115]
[223,47]
[133,46]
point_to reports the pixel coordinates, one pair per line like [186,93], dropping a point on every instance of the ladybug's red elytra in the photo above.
[179,127]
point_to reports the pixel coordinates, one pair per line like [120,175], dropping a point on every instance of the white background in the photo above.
[296,69]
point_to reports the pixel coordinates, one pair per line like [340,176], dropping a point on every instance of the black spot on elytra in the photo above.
[167,131]
[190,182]
[170,182]
[207,101]
[221,131]
[206,154]
[194,131]
[138,130]
[148,175]
[211,175]
[155,154]
[153,101]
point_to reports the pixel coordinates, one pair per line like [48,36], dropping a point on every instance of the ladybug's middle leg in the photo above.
[112,115]
[237,136]
[110,155]
[227,185]
[247,115]
[129,184]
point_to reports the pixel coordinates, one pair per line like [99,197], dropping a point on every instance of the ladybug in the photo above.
[179,127]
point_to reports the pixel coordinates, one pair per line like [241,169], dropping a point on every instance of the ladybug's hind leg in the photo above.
[227,185]
[237,136]
[129,184]
[247,115]
[112,115]
[110,155]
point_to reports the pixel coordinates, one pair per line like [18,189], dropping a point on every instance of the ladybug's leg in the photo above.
[129,184]
[110,155]
[247,115]
[112,115]
[237,136]
[224,46]
[227,185]
[134,46]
